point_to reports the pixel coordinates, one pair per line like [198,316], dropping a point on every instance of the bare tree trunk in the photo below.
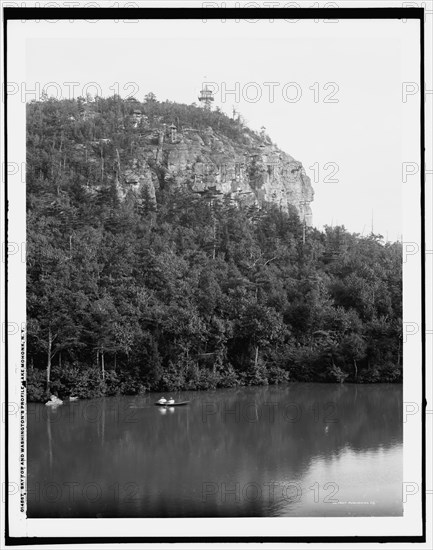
[102,164]
[50,345]
[256,360]
[356,370]
[102,364]
[214,238]
[118,160]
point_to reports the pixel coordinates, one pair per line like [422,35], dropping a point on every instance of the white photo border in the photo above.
[367,529]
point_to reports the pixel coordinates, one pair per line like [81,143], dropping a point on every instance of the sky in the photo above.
[329,94]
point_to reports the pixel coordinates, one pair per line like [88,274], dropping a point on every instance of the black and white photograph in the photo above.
[216,239]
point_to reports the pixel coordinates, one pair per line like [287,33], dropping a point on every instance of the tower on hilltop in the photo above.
[206,97]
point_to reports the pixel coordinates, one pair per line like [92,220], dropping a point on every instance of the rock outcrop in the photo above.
[253,172]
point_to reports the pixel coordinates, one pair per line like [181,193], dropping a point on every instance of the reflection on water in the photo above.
[295,450]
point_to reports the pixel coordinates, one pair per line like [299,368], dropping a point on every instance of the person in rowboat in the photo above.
[170,401]
[162,401]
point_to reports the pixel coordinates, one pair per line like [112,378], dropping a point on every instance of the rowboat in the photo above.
[178,404]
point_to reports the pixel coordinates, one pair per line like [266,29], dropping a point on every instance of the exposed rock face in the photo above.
[253,172]
[138,176]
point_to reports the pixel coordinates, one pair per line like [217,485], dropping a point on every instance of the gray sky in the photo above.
[335,102]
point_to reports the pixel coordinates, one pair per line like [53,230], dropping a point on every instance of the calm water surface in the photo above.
[294,450]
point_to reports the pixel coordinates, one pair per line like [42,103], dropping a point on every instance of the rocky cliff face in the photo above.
[253,172]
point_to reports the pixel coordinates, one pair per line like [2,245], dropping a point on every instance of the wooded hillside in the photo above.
[184,291]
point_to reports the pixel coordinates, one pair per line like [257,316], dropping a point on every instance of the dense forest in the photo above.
[130,294]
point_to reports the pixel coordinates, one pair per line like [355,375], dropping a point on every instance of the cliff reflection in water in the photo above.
[301,450]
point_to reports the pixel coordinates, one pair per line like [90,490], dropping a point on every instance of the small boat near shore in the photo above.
[175,404]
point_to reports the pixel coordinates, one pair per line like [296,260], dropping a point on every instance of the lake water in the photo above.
[293,450]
